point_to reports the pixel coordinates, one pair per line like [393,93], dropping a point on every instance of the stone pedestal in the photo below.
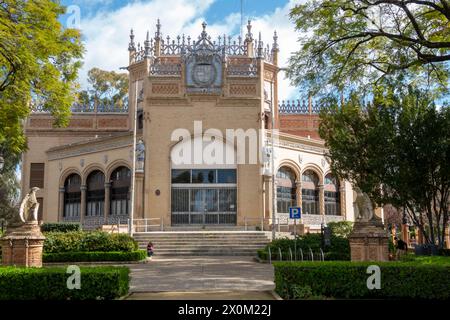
[22,246]
[369,242]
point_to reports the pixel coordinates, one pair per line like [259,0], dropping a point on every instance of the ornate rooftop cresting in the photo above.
[182,44]
[298,107]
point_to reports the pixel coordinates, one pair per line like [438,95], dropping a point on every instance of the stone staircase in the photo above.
[204,243]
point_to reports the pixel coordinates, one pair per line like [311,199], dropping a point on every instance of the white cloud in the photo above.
[106,34]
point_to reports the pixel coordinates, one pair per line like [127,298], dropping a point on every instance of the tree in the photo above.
[39,62]
[354,44]
[9,187]
[397,150]
[106,88]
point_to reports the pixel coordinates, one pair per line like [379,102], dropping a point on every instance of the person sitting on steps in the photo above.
[150,249]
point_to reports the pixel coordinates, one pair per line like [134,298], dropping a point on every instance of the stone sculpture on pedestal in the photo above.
[23,241]
[368,240]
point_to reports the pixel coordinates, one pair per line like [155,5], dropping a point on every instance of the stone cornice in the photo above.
[91,146]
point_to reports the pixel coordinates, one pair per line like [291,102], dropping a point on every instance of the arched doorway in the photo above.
[286,189]
[310,192]
[332,196]
[203,193]
[120,192]
[95,196]
[72,198]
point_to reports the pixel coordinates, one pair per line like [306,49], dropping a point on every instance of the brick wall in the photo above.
[303,125]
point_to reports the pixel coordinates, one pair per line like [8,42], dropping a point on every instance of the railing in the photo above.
[87,108]
[148,225]
[265,224]
[295,254]
[94,222]
[207,218]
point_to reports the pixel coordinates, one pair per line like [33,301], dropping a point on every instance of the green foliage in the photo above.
[357,44]
[341,228]
[396,149]
[39,65]
[339,279]
[82,241]
[60,227]
[9,186]
[93,256]
[51,283]
[338,250]
[106,88]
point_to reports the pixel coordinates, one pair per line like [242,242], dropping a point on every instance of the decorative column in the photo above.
[447,237]
[342,203]
[83,189]
[139,195]
[405,233]
[268,196]
[62,190]
[107,206]
[298,192]
[321,200]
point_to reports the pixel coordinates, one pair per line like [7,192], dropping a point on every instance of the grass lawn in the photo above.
[431,260]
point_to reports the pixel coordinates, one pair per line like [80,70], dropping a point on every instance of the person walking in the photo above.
[401,247]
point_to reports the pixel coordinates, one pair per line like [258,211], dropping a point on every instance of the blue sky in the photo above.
[105,26]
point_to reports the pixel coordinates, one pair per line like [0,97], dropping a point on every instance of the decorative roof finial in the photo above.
[131,45]
[249,35]
[260,46]
[275,42]
[204,34]
[158,30]
[147,46]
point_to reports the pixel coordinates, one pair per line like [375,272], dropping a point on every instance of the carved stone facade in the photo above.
[224,84]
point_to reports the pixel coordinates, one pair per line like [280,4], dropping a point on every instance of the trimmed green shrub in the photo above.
[341,228]
[95,256]
[60,227]
[82,241]
[51,283]
[338,250]
[342,279]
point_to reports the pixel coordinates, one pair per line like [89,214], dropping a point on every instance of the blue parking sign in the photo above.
[295,212]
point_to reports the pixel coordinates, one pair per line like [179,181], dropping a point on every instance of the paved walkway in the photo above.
[175,277]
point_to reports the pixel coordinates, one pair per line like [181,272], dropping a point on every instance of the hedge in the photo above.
[338,250]
[51,283]
[333,279]
[82,241]
[60,227]
[95,256]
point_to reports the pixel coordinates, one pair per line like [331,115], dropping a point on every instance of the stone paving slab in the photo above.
[193,274]
[203,295]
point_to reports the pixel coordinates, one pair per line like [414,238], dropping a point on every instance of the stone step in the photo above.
[206,243]
[206,253]
[202,242]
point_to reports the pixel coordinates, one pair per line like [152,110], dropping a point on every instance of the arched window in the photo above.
[95,197]
[286,190]
[310,193]
[332,197]
[120,191]
[72,197]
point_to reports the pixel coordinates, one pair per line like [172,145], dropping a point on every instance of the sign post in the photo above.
[295,213]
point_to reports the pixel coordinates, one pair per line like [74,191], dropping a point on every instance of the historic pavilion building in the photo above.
[187,93]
